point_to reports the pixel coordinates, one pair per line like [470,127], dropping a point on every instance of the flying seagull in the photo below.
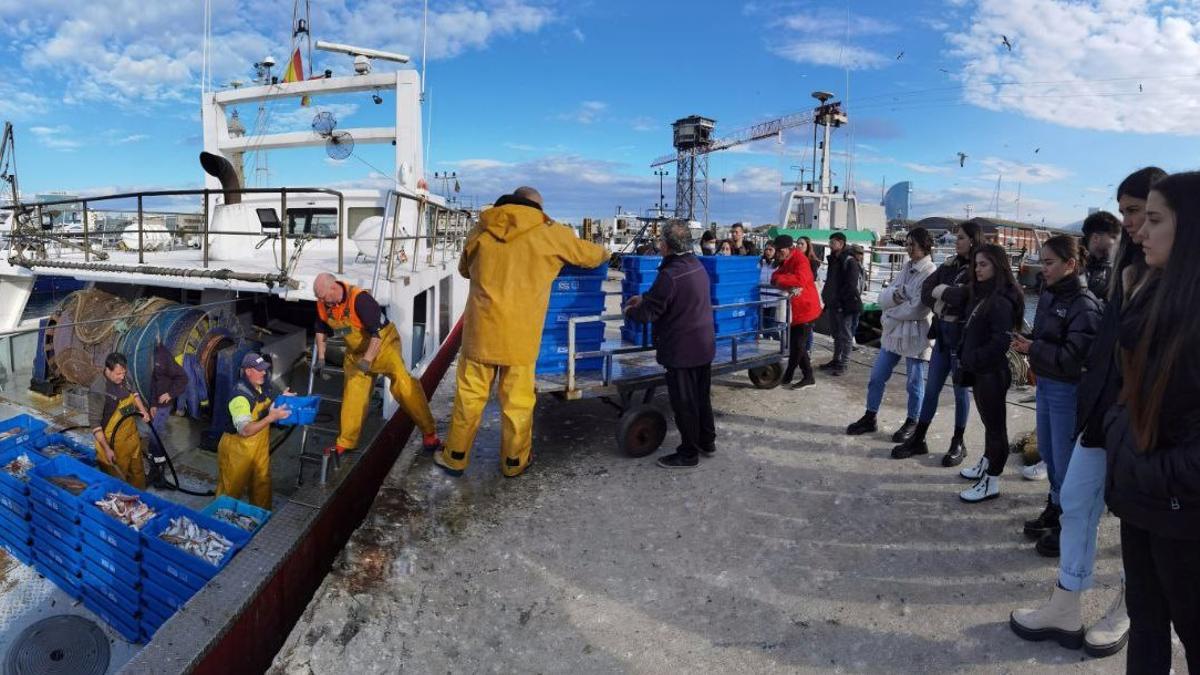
[1006,42]
[900,56]
[962,159]
[1037,150]
[944,70]
[1139,87]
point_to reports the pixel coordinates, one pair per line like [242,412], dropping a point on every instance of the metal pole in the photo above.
[387,211]
[204,232]
[341,233]
[87,247]
[283,230]
[391,269]
[141,248]
[421,214]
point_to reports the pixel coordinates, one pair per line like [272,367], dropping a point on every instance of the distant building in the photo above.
[897,203]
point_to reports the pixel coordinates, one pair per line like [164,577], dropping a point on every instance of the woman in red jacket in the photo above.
[795,276]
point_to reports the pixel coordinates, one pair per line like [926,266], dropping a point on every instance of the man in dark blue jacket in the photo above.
[679,304]
[842,295]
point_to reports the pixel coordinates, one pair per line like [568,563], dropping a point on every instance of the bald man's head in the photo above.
[526,192]
[326,289]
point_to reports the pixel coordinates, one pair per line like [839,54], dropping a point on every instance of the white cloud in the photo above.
[586,112]
[643,123]
[1114,65]
[478,164]
[301,118]
[1021,172]
[56,137]
[578,35]
[815,38]
[925,168]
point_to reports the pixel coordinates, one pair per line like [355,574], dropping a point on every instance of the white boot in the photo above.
[1109,635]
[1060,620]
[975,472]
[987,487]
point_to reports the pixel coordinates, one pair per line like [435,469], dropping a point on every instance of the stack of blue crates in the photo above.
[55,445]
[576,292]
[170,575]
[112,554]
[16,530]
[733,280]
[55,512]
[640,272]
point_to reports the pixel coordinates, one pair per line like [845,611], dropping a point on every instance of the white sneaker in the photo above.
[1034,471]
[987,487]
[975,472]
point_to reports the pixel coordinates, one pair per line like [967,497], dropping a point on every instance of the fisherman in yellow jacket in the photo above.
[372,348]
[511,257]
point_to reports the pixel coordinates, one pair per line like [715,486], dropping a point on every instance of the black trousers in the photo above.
[1162,587]
[990,389]
[842,325]
[798,355]
[690,392]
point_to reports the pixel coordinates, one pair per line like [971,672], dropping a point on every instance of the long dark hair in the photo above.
[1129,252]
[1066,248]
[1172,324]
[1003,283]
[810,251]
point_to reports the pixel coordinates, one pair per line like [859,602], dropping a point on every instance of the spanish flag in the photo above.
[295,73]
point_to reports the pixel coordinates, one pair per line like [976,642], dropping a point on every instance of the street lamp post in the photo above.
[661,173]
[446,177]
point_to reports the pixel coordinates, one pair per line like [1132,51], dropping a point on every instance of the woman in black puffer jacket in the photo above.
[1153,434]
[996,309]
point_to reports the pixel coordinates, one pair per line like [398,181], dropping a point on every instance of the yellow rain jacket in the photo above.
[126,445]
[512,257]
[244,463]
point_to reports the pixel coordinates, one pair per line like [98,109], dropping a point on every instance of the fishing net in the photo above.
[93,315]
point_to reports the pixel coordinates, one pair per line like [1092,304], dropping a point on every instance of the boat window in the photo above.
[420,318]
[356,214]
[316,222]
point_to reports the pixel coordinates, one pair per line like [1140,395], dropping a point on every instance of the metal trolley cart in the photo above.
[628,376]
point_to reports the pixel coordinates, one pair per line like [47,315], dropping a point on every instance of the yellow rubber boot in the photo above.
[517,400]
[474,384]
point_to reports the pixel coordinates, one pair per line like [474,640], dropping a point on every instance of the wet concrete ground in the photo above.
[794,549]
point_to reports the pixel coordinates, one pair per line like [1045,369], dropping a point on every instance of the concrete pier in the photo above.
[795,549]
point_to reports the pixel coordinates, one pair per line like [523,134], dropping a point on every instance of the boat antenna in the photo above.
[424,44]
[204,67]
[849,168]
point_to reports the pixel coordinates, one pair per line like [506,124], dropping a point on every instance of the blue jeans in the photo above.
[1055,429]
[941,364]
[1082,500]
[885,363]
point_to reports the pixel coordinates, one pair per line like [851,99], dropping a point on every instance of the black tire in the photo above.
[766,377]
[641,430]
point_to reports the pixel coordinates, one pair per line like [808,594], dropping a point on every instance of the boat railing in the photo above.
[440,230]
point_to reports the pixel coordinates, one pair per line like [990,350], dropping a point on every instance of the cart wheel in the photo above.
[641,430]
[766,377]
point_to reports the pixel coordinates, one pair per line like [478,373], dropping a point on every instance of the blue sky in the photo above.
[577,97]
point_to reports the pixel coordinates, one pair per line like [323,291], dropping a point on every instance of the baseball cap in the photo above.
[253,360]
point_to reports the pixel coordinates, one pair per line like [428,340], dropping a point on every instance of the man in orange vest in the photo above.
[372,348]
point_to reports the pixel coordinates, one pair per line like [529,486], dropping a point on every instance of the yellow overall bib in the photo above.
[127,446]
[244,464]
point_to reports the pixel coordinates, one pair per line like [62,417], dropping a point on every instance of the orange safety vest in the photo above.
[344,321]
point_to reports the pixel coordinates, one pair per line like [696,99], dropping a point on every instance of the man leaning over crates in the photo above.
[511,257]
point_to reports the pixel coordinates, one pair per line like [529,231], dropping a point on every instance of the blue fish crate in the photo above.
[161,587]
[17,505]
[45,494]
[119,534]
[304,410]
[732,294]
[637,333]
[640,277]
[67,583]
[591,303]
[103,556]
[188,568]
[10,482]
[156,608]
[557,365]
[19,430]
[62,445]
[573,271]
[124,624]
[585,332]
[577,285]
[240,508]
[121,581]
[632,288]
[734,324]
[726,264]
[640,263]
[150,621]
[17,524]
[52,529]
[22,552]
[120,595]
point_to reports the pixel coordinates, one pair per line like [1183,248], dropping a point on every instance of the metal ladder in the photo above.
[325,457]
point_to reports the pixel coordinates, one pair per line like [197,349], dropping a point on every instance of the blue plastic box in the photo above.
[573,271]
[50,528]
[23,553]
[86,451]
[557,365]
[29,428]
[304,410]
[590,284]
[641,263]
[718,264]
[632,288]
[119,621]
[101,556]
[11,482]
[121,535]
[238,507]
[590,302]
[54,497]
[14,522]
[589,332]
[182,565]
[732,294]
[641,277]
[121,596]
[10,503]
[163,588]
[67,584]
